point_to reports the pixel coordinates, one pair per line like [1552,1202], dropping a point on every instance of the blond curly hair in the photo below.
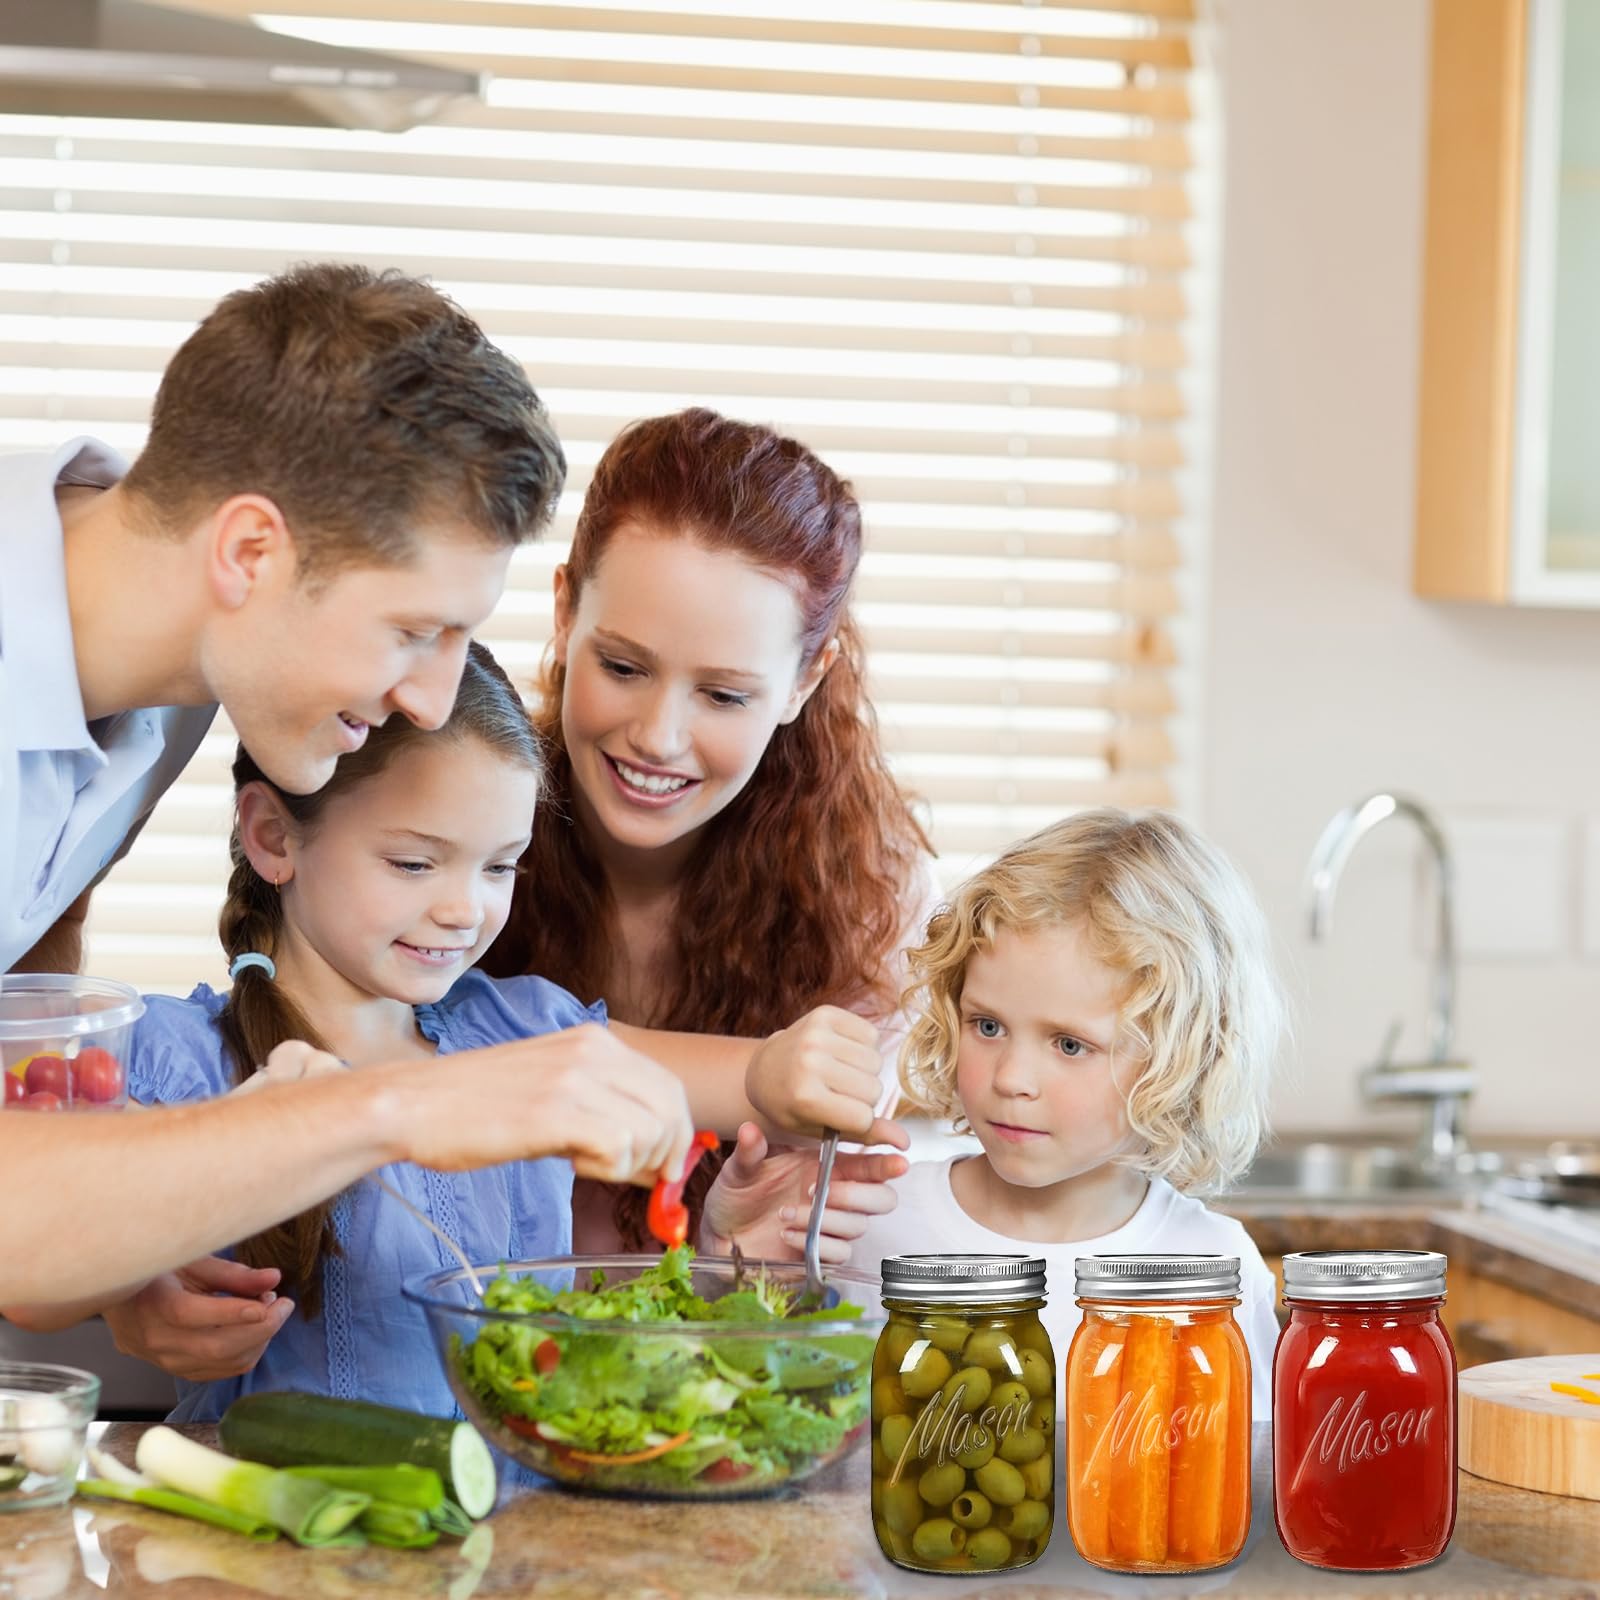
[1203,1014]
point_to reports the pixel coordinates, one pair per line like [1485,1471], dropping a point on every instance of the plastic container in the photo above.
[45,1412]
[64,1041]
[1364,1411]
[1158,1414]
[963,1414]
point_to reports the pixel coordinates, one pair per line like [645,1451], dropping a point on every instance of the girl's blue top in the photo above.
[368,1342]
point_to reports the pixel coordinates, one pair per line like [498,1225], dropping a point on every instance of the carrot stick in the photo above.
[633,1459]
[1094,1385]
[1199,1434]
[1141,1457]
[1236,1473]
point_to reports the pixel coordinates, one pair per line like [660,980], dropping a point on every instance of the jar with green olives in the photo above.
[963,1414]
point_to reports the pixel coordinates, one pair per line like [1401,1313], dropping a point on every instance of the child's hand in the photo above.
[822,1072]
[762,1198]
[211,1319]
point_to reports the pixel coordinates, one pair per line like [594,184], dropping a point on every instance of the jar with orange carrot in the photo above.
[1158,1414]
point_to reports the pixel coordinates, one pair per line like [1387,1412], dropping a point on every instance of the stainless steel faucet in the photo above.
[1441,1081]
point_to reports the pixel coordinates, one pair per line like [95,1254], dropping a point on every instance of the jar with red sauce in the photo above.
[1364,1411]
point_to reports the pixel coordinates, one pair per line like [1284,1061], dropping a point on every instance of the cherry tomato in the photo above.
[15,1088]
[50,1075]
[43,1100]
[97,1075]
[546,1357]
[726,1470]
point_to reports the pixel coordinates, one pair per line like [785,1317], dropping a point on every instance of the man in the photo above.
[338,469]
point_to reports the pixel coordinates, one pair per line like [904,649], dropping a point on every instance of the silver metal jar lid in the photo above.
[1156,1277]
[974,1280]
[1363,1275]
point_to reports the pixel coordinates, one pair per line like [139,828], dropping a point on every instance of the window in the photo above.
[946,242]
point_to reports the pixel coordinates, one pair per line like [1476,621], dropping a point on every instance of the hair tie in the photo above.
[253,958]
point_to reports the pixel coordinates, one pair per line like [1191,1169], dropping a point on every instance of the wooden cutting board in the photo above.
[1516,1429]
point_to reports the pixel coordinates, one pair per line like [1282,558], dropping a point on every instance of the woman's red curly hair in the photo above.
[797,891]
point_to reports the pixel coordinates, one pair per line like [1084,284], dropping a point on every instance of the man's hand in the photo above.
[822,1072]
[762,1198]
[582,1093]
[210,1319]
[292,1060]
[60,946]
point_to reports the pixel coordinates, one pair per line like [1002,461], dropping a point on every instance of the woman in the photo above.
[723,847]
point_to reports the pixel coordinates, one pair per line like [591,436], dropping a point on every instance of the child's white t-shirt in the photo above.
[929,1220]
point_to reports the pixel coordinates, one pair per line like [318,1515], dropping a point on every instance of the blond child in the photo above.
[1099,1008]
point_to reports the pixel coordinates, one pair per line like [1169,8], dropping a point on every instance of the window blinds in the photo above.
[946,242]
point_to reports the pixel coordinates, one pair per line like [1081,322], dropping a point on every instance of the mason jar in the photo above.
[963,1414]
[1158,1414]
[1364,1411]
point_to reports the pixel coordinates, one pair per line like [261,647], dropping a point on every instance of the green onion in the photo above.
[309,1511]
[181,1505]
[449,1518]
[402,1527]
[402,1485]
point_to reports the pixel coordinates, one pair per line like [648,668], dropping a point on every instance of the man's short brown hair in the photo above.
[362,403]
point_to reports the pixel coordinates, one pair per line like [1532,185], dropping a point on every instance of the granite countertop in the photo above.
[812,1542]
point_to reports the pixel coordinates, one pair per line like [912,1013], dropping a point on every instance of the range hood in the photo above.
[122,58]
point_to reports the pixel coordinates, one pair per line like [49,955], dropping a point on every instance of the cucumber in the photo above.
[293,1430]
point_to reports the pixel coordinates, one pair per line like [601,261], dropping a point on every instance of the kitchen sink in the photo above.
[1327,1171]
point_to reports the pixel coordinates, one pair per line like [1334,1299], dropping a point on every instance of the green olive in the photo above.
[902,1506]
[940,1485]
[979,1449]
[989,1548]
[971,1509]
[1037,1476]
[1031,1335]
[994,1348]
[1009,1394]
[937,1538]
[895,1543]
[927,1376]
[887,1398]
[1043,1416]
[897,1338]
[1038,1373]
[967,1390]
[893,1432]
[947,1333]
[882,1461]
[1001,1482]
[1027,1519]
[1024,1445]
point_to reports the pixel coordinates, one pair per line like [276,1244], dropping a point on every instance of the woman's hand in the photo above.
[823,1071]
[211,1319]
[762,1198]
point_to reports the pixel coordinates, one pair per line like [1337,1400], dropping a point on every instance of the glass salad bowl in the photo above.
[663,1376]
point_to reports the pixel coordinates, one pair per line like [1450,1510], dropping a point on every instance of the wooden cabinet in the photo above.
[1508,452]
[1491,1321]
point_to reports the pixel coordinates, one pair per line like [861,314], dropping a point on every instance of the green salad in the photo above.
[668,1412]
